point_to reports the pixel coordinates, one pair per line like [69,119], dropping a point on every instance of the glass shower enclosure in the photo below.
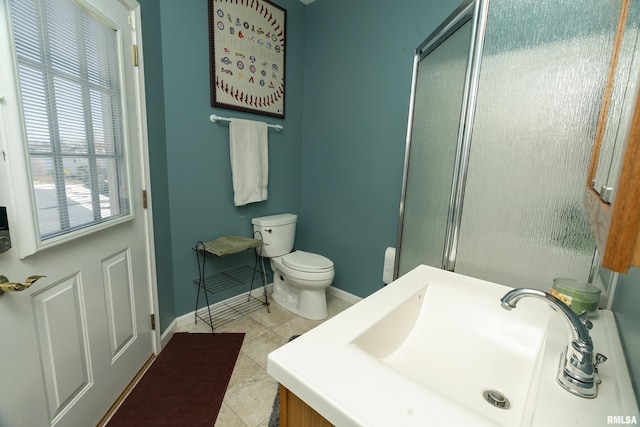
[504,108]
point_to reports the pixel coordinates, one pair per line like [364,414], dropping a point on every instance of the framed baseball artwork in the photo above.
[247,55]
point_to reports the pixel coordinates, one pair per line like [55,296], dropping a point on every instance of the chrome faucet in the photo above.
[578,372]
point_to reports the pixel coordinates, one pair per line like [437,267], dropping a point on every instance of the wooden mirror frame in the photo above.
[616,227]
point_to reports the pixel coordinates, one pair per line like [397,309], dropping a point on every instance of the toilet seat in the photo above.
[307,262]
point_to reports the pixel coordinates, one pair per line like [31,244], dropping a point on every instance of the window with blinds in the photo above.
[68,69]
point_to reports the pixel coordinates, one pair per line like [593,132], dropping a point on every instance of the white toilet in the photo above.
[299,278]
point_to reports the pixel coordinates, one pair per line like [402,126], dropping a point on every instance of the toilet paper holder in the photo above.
[389,263]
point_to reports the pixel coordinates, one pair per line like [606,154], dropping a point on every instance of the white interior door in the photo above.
[71,342]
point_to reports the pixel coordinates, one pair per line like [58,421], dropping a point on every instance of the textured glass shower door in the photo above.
[439,93]
[544,69]
[508,207]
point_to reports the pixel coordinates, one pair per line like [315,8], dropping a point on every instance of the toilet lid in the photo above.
[306,261]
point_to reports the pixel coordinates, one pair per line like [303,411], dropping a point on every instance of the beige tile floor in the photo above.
[249,397]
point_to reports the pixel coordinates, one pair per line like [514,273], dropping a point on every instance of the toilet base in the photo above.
[310,304]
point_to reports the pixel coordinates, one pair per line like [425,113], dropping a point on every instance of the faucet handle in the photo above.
[600,358]
[585,321]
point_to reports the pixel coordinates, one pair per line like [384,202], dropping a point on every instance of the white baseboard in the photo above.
[188,318]
[168,333]
[344,295]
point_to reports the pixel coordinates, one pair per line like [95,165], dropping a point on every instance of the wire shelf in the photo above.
[228,279]
[234,308]
[230,310]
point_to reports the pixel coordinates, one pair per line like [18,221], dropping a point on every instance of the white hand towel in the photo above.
[248,147]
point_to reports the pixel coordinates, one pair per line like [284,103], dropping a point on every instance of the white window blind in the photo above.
[68,69]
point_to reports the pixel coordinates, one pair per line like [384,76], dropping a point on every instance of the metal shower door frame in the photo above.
[477,11]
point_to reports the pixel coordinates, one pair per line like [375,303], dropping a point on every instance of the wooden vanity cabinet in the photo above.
[295,413]
[616,227]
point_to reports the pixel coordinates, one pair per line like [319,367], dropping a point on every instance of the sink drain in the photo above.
[497,399]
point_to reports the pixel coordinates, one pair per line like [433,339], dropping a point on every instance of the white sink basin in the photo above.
[456,340]
[424,349]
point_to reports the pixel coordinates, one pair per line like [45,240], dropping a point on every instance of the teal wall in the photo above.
[338,165]
[190,168]
[198,167]
[627,313]
[358,69]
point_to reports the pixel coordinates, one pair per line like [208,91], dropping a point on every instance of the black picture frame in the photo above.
[247,44]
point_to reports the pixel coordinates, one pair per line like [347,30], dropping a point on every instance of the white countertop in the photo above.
[349,387]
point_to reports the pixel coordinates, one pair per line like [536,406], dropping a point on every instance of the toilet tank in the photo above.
[277,233]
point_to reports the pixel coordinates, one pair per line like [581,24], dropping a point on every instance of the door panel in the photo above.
[62,330]
[72,341]
[118,287]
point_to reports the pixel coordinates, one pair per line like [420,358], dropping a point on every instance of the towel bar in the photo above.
[215,118]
